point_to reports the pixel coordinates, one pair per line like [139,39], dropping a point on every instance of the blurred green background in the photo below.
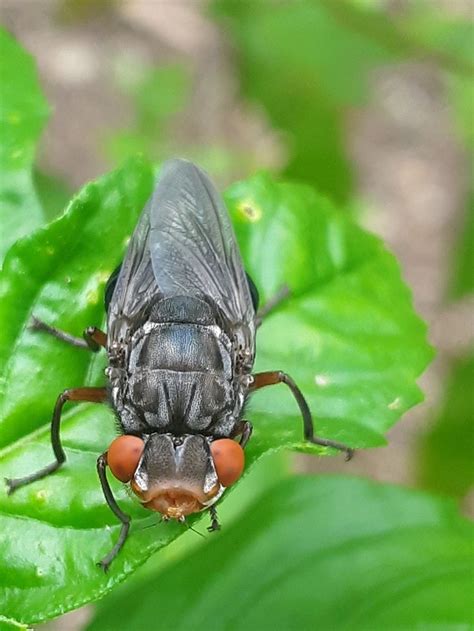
[369,101]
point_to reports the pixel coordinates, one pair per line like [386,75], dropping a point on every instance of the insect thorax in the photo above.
[178,372]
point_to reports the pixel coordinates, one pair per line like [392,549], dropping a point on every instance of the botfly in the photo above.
[181,323]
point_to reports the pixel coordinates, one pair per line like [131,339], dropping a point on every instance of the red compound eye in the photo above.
[228,459]
[124,455]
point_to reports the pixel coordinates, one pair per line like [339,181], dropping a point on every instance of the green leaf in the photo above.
[347,334]
[453,38]
[447,449]
[306,62]
[462,282]
[53,193]
[448,37]
[58,274]
[316,553]
[157,94]
[23,112]
[11,625]
[462,101]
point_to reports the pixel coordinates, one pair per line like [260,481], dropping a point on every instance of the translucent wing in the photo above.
[136,284]
[183,244]
[192,242]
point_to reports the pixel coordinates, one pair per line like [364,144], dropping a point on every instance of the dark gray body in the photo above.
[178,372]
[180,336]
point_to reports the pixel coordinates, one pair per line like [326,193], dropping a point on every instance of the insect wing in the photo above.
[193,247]
[136,284]
[184,244]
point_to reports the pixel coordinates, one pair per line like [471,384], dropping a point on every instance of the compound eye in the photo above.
[124,455]
[228,459]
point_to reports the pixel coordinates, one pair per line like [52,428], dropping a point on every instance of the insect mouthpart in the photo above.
[177,502]
[176,478]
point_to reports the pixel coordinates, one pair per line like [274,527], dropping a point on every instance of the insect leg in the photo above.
[38,325]
[92,339]
[93,395]
[263,379]
[215,525]
[274,301]
[117,511]
[95,338]
[244,429]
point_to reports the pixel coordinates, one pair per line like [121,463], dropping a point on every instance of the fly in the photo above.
[182,315]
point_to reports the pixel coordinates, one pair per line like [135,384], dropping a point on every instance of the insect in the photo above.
[182,316]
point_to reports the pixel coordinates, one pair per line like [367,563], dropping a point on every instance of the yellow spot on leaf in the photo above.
[250,211]
[395,404]
[41,496]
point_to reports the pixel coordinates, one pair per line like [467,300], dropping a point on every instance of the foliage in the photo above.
[304,88]
[447,451]
[349,315]
[347,334]
[462,281]
[23,112]
[306,556]
[308,63]
[447,38]
[53,193]
[157,95]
